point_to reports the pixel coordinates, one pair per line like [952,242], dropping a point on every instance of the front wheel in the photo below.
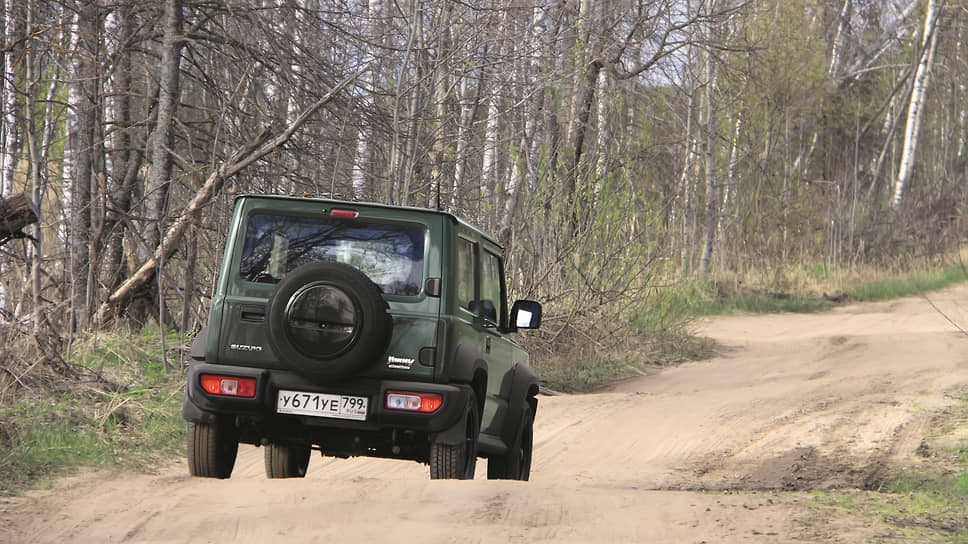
[458,462]
[287,460]
[516,463]
[212,448]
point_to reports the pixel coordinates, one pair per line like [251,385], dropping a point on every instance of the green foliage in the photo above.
[129,414]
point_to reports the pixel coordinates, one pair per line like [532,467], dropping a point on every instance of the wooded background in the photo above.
[609,144]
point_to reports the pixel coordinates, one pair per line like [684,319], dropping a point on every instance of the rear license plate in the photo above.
[321,405]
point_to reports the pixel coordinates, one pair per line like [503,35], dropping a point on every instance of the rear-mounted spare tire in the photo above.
[326,321]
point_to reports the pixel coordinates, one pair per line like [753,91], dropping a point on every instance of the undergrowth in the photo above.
[801,292]
[660,330]
[123,411]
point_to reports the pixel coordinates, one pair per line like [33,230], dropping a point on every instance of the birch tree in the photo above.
[919,88]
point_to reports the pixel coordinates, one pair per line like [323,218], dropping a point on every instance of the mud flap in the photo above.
[454,435]
[193,413]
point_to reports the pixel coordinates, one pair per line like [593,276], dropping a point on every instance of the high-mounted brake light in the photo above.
[229,386]
[350,214]
[414,402]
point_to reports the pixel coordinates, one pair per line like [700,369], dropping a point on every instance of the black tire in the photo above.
[516,463]
[327,320]
[212,448]
[458,462]
[287,460]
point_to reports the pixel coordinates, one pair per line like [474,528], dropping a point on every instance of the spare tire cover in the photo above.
[327,320]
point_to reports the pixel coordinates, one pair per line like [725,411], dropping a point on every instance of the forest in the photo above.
[612,146]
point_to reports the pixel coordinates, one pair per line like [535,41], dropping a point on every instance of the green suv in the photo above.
[360,330]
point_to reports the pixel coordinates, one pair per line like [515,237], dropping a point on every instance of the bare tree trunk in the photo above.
[686,182]
[161,139]
[36,179]
[712,192]
[577,134]
[730,180]
[489,164]
[86,83]
[127,155]
[242,158]
[601,128]
[9,135]
[441,74]
[843,23]
[919,87]
[362,159]
[521,160]
[467,106]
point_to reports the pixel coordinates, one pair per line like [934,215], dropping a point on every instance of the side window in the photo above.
[492,299]
[465,273]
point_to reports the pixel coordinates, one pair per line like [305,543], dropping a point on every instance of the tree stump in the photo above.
[16,213]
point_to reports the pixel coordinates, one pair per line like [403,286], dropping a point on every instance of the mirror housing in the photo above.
[525,314]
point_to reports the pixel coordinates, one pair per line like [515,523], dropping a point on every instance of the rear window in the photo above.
[390,254]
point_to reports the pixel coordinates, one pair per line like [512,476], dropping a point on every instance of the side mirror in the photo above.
[525,314]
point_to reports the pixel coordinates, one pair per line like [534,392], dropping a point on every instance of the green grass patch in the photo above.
[582,376]
[927,504]
[124,410]
[801,293]
[710,297]
[907,285]
[934,508]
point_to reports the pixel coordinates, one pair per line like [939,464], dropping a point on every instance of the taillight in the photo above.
[414,402]
[229,386]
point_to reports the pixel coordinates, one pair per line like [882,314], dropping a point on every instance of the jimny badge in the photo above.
[399,363]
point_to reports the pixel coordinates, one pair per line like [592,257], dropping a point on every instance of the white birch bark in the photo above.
[9,144]
[730,177]
[463,129]
[69,168]
[712,194]
[919,88]
[489,161]
[35,254]
[601,129]
[686,181]
[838,43]
[442,84]
[358,172]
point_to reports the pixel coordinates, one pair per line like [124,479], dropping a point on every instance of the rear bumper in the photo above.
[258,415]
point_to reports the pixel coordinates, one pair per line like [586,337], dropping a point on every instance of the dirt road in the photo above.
[692,454]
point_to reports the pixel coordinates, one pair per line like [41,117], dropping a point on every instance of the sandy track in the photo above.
[794,402]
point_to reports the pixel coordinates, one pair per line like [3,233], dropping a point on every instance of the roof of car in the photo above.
[374,205]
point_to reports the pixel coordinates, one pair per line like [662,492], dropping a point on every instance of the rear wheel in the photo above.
[212,448]
[516,463]
[287,460]
[457,462]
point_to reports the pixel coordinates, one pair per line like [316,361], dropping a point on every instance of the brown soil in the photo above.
[712,451]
